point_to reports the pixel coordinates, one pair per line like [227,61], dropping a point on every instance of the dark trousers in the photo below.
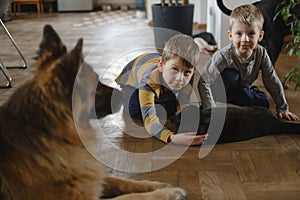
[186,121]
[132,105]
[236,92]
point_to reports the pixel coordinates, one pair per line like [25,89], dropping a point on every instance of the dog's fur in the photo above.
[110,104]
[241,123]
[42,156]
[275,31]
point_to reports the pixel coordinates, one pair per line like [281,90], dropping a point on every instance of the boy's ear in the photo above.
[194,69]
[261,35]
[160,65]
[229,33]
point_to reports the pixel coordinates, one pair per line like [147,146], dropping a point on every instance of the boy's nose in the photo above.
[179,76]
[245,38]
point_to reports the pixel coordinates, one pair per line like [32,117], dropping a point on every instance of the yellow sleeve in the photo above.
[151,120]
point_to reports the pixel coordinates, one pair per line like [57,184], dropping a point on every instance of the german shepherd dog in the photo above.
[42,156]
[275,31]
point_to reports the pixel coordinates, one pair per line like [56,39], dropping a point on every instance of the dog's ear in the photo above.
[76,54]
[51,43]
[72,62]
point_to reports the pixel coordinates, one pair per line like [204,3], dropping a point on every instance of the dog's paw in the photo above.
[177,194]
[153,185]
[172,193]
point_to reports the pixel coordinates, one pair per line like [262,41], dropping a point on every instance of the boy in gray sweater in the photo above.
[238,65]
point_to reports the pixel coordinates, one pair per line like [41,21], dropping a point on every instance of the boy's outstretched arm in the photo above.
[188,138]
[288,116]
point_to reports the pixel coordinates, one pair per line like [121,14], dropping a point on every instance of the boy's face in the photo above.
[175,74]
[245,38]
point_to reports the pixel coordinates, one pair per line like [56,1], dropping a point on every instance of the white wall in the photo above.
[217,22]
[203,11]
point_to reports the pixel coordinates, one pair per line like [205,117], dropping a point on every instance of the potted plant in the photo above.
[288,10]
[172,15]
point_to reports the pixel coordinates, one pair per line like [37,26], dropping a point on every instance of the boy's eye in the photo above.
[252,33]
[187,73]
[174,69]
[238,33]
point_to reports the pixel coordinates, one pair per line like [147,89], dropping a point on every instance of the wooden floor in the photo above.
[262,168]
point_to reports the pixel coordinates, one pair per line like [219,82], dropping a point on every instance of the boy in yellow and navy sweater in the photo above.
[153,84]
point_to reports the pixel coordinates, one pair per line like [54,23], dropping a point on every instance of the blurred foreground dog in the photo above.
[42,156]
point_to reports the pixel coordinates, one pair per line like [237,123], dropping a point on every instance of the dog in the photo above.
[244,123]
[275,31]
[206,42]
[107,100]
[240,123]
[42,156]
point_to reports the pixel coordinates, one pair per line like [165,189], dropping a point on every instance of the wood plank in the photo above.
[273,186]
[232,186]
[290,195]
[283,165]
[245,166]
[188,181]
[263,166]
[291,148]
[210,185]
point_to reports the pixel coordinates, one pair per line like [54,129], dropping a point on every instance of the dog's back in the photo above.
[38,134]
[230,123]
[243,123]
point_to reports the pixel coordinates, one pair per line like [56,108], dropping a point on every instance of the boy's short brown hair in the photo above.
[246,14]
[184,47]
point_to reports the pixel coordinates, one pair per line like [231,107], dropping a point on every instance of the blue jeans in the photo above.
[237,93]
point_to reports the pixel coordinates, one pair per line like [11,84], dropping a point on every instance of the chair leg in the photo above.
[38,7]
[15,8]
[14,43]
[7,76]
[42,7]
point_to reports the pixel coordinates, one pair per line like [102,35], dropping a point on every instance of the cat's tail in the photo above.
[290,127]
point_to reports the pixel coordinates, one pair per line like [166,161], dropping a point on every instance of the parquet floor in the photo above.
[262,168]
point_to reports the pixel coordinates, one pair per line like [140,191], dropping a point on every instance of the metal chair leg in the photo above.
[14,43]
[7,76]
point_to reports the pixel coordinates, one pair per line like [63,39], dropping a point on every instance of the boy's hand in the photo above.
[288,116]
[188,138]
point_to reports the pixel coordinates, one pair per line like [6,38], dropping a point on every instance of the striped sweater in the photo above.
[142,73]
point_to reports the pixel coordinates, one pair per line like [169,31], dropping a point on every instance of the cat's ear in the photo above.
[51,43]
